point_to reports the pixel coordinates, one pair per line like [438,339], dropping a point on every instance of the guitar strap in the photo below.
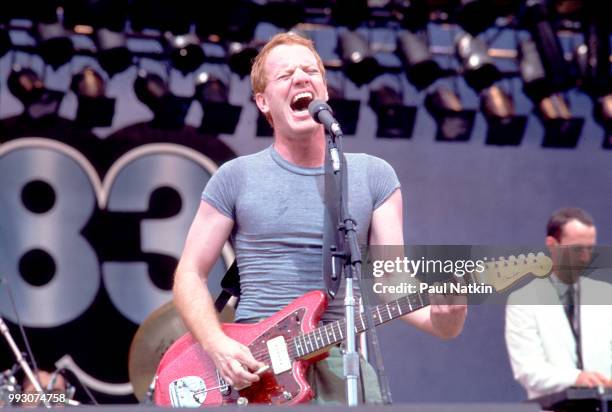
[230,286]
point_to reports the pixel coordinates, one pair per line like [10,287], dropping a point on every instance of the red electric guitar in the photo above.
[289,341]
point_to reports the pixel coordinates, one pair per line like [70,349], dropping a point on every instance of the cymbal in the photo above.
[152,339]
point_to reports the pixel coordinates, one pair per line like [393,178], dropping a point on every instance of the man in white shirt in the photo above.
[558,332]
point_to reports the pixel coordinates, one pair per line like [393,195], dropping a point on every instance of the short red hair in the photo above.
[259,80]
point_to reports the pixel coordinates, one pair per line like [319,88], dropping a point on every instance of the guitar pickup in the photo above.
[279,355]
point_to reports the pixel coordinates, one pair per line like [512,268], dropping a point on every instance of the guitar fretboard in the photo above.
[498,274]
[333,333]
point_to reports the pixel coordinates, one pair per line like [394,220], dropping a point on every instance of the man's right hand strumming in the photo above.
[234,361]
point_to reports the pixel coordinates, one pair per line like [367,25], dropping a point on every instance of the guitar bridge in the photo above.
[189,391]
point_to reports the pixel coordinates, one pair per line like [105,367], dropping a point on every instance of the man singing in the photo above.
[271,202]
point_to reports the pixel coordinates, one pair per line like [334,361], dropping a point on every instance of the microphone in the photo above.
[322,113]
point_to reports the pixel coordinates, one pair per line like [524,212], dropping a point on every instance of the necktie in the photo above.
[574,321]
[569,306]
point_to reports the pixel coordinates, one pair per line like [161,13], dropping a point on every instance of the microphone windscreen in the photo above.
[317,106]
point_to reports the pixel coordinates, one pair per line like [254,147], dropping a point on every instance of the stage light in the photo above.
[25,85]
[150,89]
[358,63]
[240,58]
[535,83]
[346,111]
[54,44]
[454,123]
[560,128]
[394,118]
[186,53]
[219,115]
[33,10]
[596,31]
[603,115]
[421,69]
[173,16]
[232,20]
[5,42]
[581,61]
[169,110]
[411,14]
[350,13]
[549,48]
[29,89]
[593,61]
[475,16]
[283,13]
[479,70]
[110,14]
[113,54]
[94,108]
[570,9]
[88,83]
[505,127]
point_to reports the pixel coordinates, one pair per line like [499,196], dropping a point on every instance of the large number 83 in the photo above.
[126,187]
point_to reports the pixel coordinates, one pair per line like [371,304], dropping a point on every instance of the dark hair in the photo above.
[558,219]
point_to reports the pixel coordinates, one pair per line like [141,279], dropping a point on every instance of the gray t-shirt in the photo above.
[278,212]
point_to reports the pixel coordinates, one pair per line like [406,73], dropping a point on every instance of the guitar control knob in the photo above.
[287,395]
[242,401]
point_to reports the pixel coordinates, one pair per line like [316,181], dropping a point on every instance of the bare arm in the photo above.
[446,315]
[207,235]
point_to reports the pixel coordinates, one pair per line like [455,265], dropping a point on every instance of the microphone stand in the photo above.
[21,361]
[346,248]
[351,255]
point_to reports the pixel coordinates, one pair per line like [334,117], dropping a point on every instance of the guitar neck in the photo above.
[500,275]
[333,333]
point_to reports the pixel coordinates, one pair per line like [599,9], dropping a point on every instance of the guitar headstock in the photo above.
[503,273]
[540,264]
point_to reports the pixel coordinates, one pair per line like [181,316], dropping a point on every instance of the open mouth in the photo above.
[301,101]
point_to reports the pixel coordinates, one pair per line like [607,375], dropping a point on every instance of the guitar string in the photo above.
[413,302]
[405,304]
